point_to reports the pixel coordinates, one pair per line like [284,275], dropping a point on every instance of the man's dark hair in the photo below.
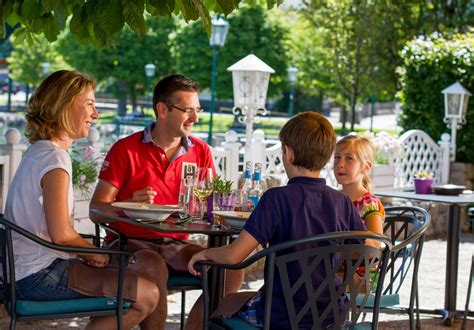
[167,87]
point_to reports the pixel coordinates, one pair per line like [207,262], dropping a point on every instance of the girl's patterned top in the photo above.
[368,205]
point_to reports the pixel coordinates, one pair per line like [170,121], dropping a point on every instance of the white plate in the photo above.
[233,218]
[147,211]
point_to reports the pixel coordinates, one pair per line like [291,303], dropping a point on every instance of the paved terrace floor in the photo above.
[431,283]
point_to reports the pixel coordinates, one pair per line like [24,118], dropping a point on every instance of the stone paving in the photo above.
[431,284]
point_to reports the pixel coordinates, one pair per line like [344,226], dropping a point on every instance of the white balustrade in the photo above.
[421,153]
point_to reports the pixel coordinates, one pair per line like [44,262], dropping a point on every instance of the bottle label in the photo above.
[253,201]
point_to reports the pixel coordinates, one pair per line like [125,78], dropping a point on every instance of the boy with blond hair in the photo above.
[306,206]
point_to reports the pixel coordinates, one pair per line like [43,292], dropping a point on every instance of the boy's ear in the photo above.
[289,154]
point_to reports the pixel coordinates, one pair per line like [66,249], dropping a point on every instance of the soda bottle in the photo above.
[257,190]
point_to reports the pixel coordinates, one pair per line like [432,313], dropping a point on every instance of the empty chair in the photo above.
[405,226]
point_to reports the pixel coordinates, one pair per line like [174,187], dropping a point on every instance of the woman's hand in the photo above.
[146,195]
[97,260]
[201,255]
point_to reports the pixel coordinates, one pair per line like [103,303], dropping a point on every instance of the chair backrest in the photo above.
[405,226]
[322,269]
[7,267]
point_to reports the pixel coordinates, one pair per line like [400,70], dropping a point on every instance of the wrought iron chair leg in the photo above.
[469,287]
[183,305]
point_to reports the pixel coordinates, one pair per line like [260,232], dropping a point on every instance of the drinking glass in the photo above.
[203,187]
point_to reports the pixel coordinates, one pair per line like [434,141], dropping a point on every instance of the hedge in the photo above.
[431,64]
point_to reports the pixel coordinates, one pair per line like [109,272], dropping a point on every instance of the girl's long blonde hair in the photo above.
[364,150]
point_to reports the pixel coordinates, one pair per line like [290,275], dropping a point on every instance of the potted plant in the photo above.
[224,197]
[383,171]
[423,182]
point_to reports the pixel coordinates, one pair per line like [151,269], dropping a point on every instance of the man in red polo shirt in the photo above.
[147,167]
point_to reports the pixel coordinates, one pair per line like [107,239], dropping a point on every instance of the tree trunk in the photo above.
[343,120]
[353,108]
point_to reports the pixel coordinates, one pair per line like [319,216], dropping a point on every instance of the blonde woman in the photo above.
[40,200]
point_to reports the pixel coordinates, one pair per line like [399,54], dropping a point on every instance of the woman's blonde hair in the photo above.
[364,150]
[49,108]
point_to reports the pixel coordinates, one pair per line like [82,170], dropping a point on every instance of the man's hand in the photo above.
[97,260]
[146,195]
[202,255]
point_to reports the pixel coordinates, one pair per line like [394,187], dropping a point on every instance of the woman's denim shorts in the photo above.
[47,284]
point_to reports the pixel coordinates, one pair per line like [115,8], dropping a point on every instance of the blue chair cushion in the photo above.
[387,300]
[236,322]
[27,308]
[183,280]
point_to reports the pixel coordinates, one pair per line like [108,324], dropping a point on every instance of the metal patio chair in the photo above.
[324,255]
[22,310]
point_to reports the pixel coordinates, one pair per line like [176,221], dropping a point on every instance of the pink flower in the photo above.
[89,152]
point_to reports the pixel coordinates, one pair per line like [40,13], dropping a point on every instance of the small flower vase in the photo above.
[422,185]
[225,201]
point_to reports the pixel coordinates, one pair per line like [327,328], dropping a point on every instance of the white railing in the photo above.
[419,153]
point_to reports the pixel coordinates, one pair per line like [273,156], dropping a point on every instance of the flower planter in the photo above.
[82,223]
[422,186]
[225,201]
[383,177]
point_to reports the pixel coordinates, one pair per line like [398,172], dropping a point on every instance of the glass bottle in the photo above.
[246,186]
[257,190]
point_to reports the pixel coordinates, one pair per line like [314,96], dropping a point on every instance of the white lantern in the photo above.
[219,30]
[150,70]
[456,99]
[250,77]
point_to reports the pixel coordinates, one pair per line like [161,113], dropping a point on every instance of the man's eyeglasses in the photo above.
[188,111]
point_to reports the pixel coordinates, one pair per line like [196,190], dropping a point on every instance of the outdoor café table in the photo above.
[452,259]
[217,236]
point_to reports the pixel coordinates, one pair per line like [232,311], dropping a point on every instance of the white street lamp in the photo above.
[292,75]
[456,99]
[250,77]
[45,67]
[219,30]
[149,72]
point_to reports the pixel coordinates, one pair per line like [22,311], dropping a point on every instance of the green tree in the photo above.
[431,64]
[98,21]
[124,64]
[250,31]
[25,61]
[351,31]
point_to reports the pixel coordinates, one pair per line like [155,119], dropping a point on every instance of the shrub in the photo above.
[431,64]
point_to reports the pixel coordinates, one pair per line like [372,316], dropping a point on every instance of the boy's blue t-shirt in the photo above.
[304,207]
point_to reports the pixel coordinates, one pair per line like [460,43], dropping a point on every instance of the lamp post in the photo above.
[292,75]
[456,99]
[149,72]
[219,30]
[45,67]
[250,77]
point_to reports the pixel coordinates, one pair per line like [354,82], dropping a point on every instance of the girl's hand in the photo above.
[146,195]
[202,255]
[97,260]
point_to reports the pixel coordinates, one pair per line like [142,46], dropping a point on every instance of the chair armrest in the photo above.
[58,247]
